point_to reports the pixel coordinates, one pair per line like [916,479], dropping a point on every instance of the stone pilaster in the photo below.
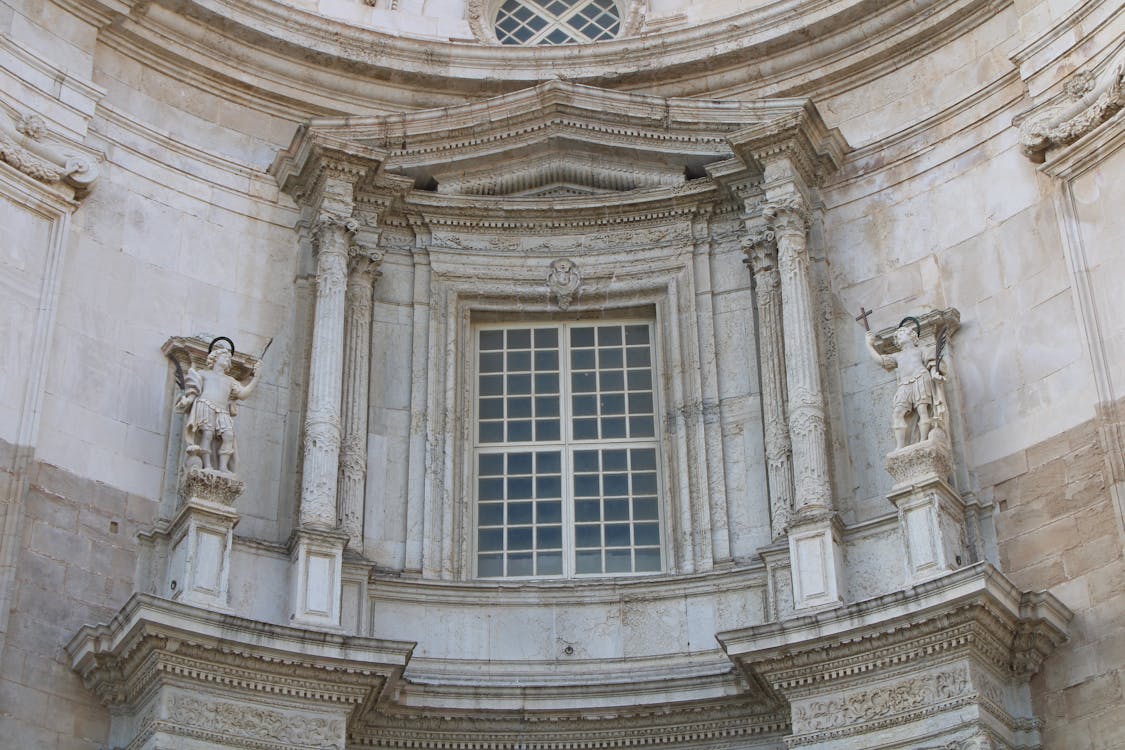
[761,251]
[332,238]
[363,270]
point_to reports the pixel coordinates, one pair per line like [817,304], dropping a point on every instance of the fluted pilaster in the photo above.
[787,217]
[332,238]
[363,270]
[761,252]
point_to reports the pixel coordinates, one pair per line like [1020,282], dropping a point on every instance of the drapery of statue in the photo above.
[209,402]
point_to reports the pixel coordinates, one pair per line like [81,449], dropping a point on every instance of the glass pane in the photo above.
[588,562]
[585,460]
[584,405]
[490,489]
[647,534]
[636,334]
[489,566]
[640,403]
[491,362]
[492,408]
[491,463]
[519,339]
[550,563]
[583,382]
[491,432]
[615,484]
[520,565]
[519,539]
[491,385]
[490,540]
[582,359]
[640,380]
[616,535]
[549,537]
[609,335]
[609,358]
[519,513]
[587,510]
[519,488]
[519,385]
[546,383]
[546,406]
[519,361]
[643,458]
[648,560]
[645,509]
[548,512]
[588,536]
[547,430]
[618,561]
[586,485]
[615,460]
[548,463]
[612,381]
[548,360]
[519,432]
[518,408]
[644,484]
[548,487]
[519,463]
[637,357]
[613,404]
[491,340]
[581,336]
[613,427]
[491,514]
[585,429]
[617,510]
[641,427]
[546,338]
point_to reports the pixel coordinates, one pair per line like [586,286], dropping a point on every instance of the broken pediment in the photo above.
[561,139]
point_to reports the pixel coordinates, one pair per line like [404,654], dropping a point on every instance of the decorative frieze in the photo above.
[190,716]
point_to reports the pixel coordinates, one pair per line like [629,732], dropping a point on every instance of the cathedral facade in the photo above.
[562,374]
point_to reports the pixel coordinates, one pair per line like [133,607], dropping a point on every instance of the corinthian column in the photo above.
[332,238]
[788,219]
[761,252]
[363,269]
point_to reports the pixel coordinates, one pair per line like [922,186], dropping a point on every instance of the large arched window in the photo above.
[531,22]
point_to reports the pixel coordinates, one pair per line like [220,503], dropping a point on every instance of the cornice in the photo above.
[974,608]
[849,39]
[153,640]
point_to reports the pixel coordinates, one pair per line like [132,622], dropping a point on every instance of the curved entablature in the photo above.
[785,48]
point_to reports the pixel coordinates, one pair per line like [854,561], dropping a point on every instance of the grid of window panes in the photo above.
[532,22]
[566,478]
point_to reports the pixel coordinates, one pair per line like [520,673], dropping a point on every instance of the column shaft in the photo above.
[807,423]
[322,414]
[363,270]
[762,251]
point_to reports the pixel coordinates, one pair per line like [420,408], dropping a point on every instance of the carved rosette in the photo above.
[210,485]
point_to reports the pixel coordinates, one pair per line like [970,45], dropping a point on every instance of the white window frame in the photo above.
[567,445]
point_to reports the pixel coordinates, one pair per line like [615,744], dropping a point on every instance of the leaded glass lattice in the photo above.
[531,22]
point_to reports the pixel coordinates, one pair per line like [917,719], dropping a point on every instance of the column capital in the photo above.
[787,214]
[365,261]
[760,247]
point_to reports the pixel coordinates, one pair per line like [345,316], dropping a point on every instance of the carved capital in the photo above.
[761,251]
[364,262]
[329,227]
[786,216]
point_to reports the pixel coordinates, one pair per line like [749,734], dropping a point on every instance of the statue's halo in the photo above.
[216,340]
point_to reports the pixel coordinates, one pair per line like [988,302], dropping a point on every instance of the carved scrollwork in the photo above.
[869,705]
[1065,124]
[251,722]
[22,146]
[761,252]
[365,261]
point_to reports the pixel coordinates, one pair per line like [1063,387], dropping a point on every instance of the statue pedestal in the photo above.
[931,513]
[201,534]
[317,559]
[814,553]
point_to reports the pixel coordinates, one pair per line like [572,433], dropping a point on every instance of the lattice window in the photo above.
[566,451]
[531,22]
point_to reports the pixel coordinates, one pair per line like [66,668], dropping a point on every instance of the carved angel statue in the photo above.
[209,399]
[921,384]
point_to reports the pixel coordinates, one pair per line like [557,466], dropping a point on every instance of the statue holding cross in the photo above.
[920,391]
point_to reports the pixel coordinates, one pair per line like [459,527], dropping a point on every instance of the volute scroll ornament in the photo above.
[23,145]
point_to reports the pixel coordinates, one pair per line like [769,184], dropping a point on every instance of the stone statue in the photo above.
[209,400]
[921,390]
